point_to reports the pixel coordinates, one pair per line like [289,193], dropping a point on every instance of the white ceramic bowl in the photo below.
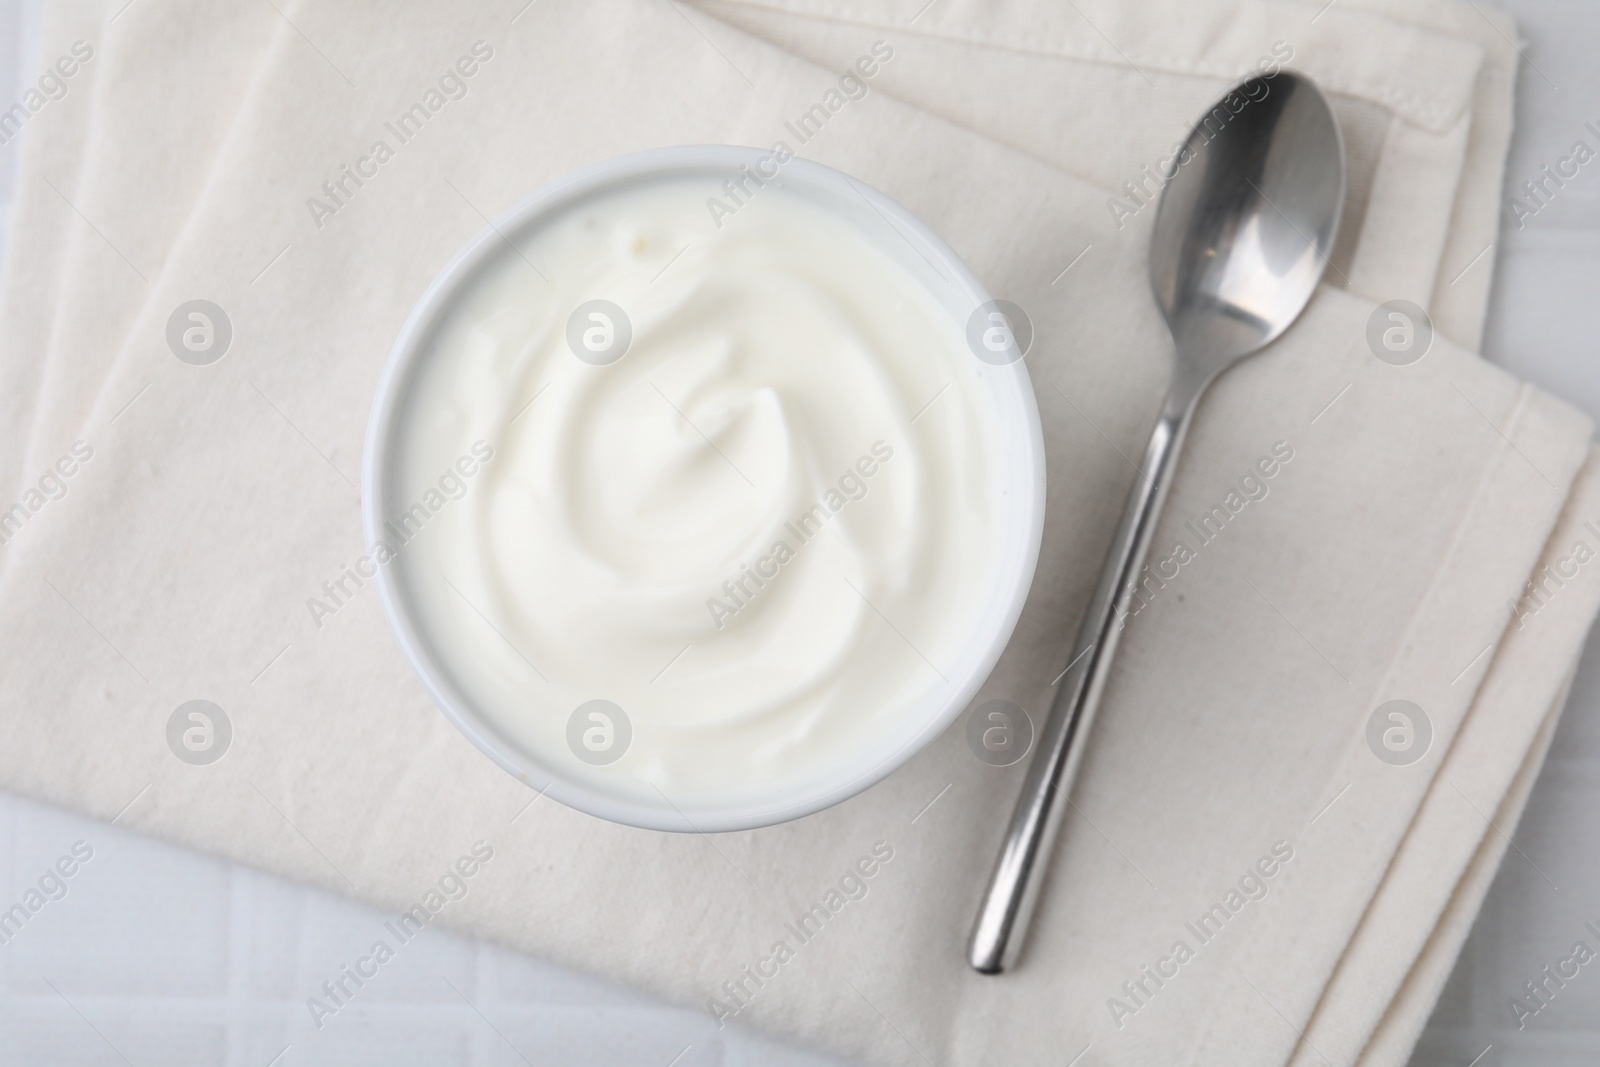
[893,230]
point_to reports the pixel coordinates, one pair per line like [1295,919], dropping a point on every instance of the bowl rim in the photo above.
[411,344]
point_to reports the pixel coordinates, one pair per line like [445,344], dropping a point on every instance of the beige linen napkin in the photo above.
[1079,355]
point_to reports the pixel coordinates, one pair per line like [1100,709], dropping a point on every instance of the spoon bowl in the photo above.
[1246,222]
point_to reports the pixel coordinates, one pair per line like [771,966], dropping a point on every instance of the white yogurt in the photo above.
[762,532]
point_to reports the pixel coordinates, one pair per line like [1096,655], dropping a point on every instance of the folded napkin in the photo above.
[1415,505]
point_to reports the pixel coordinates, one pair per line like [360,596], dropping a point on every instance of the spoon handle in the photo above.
[1019,871]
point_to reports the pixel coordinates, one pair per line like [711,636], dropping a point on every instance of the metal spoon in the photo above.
[1242,235]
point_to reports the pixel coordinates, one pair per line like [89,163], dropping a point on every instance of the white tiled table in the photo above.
[161,956]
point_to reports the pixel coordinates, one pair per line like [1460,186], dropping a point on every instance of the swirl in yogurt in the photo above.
[742,489]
